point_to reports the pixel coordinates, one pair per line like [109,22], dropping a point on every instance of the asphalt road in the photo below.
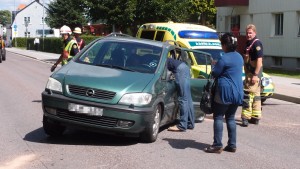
[23,144]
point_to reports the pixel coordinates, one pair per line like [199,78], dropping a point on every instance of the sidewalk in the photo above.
[287,89]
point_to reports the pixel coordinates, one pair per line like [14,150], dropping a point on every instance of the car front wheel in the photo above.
[151,131]
[201,118]
[51,128]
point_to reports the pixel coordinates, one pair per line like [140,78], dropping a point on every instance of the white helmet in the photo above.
[65,30]
[77,30]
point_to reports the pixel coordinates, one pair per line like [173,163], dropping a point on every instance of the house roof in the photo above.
[37,1]
[21,6]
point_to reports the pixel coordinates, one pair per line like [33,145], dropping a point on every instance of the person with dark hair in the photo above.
[186,109]
[253,60]
[228,95]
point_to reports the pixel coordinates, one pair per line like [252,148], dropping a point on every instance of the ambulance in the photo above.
[196,37]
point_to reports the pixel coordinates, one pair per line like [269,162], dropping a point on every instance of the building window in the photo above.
[298,63]
[235,25]
[298,24]
[26,19]
[277,61]
[279,24]
[27,34]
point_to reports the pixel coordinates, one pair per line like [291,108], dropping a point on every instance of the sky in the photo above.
[11,5]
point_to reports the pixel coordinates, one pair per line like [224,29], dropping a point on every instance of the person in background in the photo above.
[77,32]
[2,49]
[70,47]
[253,65]
[227,71]
[182,78]
[36,43]
[2,43]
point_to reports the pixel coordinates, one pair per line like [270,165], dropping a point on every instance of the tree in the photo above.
[5,17]
[66,12]
[131,13]
[205,10]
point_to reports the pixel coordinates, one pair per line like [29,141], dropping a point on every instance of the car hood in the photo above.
[108,79]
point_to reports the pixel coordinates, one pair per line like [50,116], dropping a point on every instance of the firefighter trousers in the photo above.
[252,100]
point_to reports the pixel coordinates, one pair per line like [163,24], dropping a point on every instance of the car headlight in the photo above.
[265,81]
[137,99]
[54,85]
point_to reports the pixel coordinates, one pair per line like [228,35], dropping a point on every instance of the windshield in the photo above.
[124,55]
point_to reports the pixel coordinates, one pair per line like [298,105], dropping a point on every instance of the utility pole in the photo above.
[43,24]
[26,25]
[15,14]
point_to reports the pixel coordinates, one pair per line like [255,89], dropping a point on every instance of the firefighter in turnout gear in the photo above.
[77,32]
[253,57]
[70,47]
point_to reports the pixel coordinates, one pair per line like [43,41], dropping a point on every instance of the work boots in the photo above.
[245,122]
[254,121]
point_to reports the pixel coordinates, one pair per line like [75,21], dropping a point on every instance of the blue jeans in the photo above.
[229,111]
[187,115]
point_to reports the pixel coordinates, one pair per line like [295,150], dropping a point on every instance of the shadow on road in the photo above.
[183,144]
[77,137]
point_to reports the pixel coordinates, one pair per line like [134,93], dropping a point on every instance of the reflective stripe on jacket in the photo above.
[67,51]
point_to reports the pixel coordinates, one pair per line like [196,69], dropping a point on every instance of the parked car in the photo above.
[2,55]
[117,85]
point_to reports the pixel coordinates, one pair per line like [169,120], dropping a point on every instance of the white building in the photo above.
[29,22]
[277,23]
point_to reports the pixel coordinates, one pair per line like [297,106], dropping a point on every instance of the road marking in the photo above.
[18,162]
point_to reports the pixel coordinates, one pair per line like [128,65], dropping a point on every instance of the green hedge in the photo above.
[51,45]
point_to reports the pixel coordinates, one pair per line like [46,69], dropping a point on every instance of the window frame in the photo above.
[279,19]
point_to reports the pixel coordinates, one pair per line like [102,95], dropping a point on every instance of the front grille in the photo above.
[98,94]
[91,120]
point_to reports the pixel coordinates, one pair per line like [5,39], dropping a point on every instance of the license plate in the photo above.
[88,110]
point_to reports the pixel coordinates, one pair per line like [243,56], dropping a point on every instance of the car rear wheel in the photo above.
[4,55]
[0,55]
[151,131]
[51,128]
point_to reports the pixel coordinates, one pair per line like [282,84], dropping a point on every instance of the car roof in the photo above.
[134,39]
[182,26]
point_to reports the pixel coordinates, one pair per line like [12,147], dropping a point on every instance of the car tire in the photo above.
[201,118]
[51,128]
[151,131]
[4,55]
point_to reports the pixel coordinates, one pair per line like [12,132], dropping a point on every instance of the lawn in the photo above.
[282,73]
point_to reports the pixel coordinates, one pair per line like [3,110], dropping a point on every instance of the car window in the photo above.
[202,59]
[90,55]
[215,53]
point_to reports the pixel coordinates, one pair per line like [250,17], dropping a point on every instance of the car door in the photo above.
[197,83]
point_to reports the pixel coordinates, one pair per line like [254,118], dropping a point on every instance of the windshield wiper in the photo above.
[115,66]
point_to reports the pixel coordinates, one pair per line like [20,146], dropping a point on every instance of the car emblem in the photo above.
[90,92]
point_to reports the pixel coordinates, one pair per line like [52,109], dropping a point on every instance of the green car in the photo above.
[119,86]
